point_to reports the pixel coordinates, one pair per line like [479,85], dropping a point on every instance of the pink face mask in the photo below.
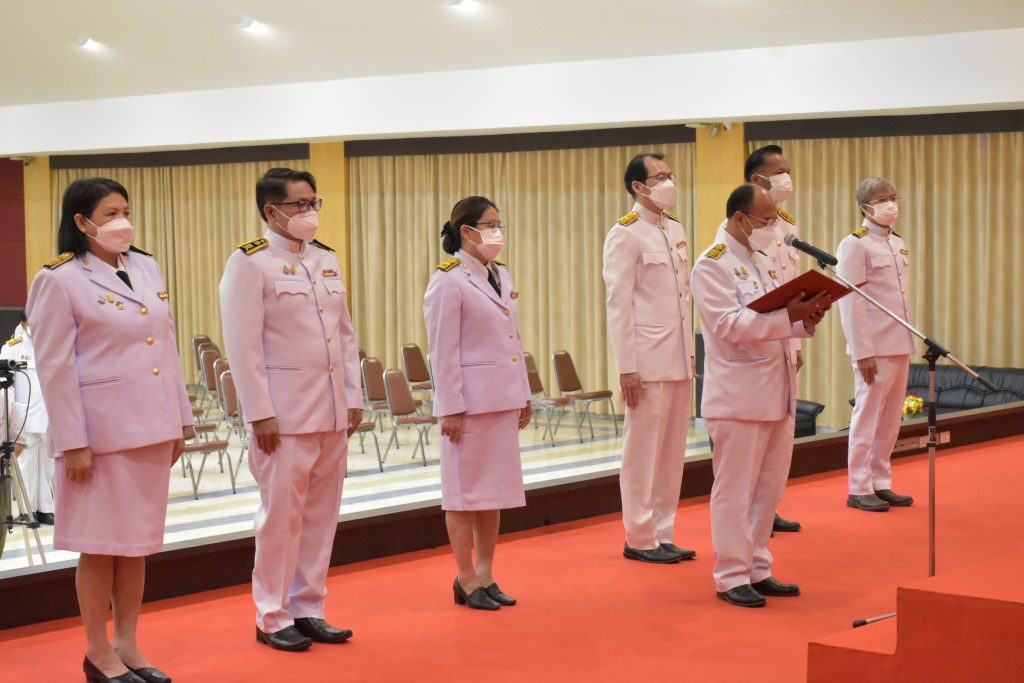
[114,236]
[301,226]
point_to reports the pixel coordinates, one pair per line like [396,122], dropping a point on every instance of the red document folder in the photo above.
[811,283]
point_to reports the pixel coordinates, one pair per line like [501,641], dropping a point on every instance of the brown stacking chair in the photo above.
[204,391]
[569,385]
[218,446]
[208,357]
[540,400]
[362,355]
[374,393]
[362,430]
[403,413]
[416,369]
[233,414]
[197,340]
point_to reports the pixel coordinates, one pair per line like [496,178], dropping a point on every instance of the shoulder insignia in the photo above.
[860,232]
[672,216]
[448,265]
[715,252]
[321,245]
[139,251]
[500,263]
[14,341]
[787,216]
[252,247]
[60,260]
[629,218]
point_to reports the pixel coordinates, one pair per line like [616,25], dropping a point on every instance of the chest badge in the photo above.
[773,274]
[110,298]
[162,295]
[101,300]
[514,294]
[120,305]
[904,252]
[330,273]
[680,245]
[741,272]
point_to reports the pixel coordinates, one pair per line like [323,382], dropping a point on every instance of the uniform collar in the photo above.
[284,243]
[876,229]
[731,243]
[475,264]
[647,215]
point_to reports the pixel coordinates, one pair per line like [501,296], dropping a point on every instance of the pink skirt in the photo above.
[483,471]
[121,509]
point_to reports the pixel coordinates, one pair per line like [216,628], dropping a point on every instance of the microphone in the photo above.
[819,255]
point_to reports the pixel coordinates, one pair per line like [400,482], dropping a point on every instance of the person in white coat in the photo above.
[647,277]
[33,455]
[749,397]
[879,346]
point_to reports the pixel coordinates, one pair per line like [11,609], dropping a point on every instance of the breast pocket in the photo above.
[292,287]
[748,291]
[653,259]
[334,286]
[877,263]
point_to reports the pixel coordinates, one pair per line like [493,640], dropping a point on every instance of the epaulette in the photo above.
[715,252]
[321,245]
[60,260]
[629,218]
[500,263]
[860,232]
[14,340]
[252,247]
[139,251]
[787,216]
[672,216]
[448,265]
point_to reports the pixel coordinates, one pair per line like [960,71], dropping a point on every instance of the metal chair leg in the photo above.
[376,443]
[192,474]
[615,420]
[393,438]
[586,410]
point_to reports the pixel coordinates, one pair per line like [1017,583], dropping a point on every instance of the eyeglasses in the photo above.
[882,200]
[491,225]
[770,223]
[304,205]
[662,177]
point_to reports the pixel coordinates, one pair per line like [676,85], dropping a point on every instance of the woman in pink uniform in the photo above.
[481,393]
[112,382]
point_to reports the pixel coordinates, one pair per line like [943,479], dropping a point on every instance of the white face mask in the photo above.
[885,213]
[301,226]
[782,186]
[114,236]
[760,239]
[493,240]
[663,195]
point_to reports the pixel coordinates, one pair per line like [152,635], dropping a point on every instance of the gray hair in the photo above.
[868,187]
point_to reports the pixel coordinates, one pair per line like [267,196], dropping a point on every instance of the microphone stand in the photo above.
[934,352]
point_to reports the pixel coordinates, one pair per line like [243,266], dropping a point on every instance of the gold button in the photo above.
[321,309]
[143,310]
[515,358]
[509,335]
[778,243]
[328,340]
[505,311]
[903,291]
[332,368]
[149,340]
[783,266]
[314,281]
[680,296]
[156,371]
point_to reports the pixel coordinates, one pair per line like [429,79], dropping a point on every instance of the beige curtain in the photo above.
[190,218]
[558,205]
[961,212]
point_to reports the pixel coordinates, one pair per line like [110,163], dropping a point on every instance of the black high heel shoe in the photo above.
[494,593]
[150,674]
[94,675]
[478,599]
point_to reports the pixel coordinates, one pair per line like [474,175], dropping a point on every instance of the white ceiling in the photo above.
[161,46]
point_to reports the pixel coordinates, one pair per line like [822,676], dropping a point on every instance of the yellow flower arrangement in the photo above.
[913,404]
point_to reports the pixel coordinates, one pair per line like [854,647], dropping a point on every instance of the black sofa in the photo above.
[956,390]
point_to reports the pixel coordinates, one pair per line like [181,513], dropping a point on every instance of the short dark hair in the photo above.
[636,169]
[740,199]
[24,316]
[82,196]
[272,187]
[757,160]
[467,211]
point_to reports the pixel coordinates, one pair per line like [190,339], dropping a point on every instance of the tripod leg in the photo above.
[21,497]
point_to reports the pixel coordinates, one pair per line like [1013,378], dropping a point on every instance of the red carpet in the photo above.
[586,613]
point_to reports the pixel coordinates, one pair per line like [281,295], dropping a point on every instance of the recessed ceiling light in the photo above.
[252,26]
[87,43]
[464,5]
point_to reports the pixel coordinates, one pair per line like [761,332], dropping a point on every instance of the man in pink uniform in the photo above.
[647,276]
[879,347]
[294,358]
[749,394]
[768,168]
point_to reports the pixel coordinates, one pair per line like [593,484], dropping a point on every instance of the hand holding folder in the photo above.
[810,283]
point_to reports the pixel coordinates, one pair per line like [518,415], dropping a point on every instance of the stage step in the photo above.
[965,625]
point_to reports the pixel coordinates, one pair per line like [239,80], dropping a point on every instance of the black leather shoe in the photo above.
[893,499]
[94,675]
[478,599]
[494,593]
[288,639]
[682,553]
[150,675]
[319,631]
[781,524]
[771,588]
[44,518]
[656,556]
[743,596]
[870,502]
